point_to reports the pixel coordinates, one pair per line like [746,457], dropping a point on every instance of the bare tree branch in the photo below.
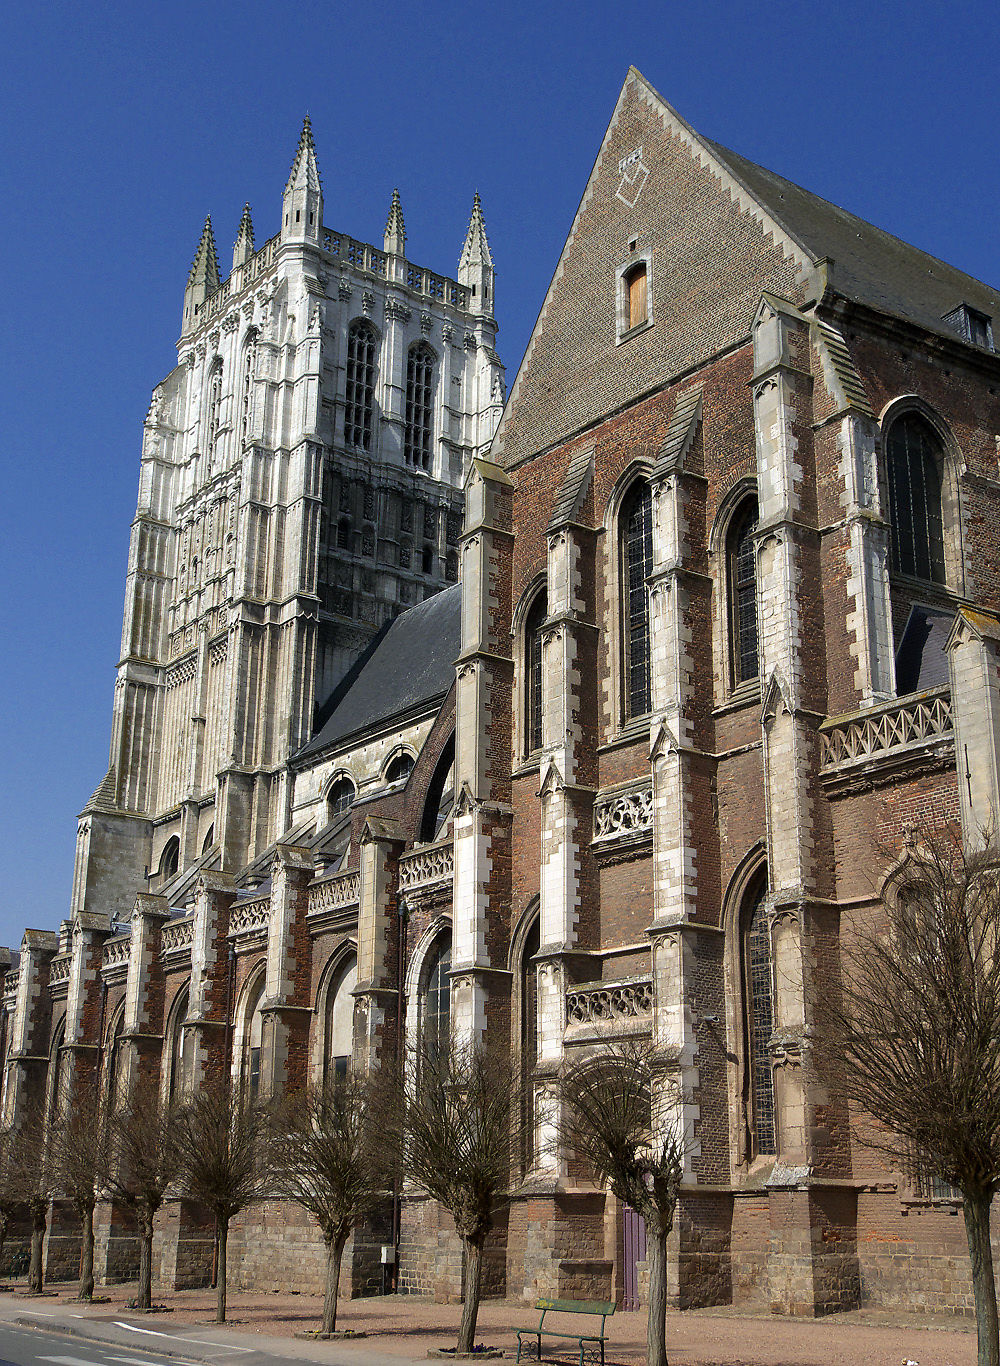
[911,1034]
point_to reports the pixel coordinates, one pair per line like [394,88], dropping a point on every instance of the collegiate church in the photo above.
[556,718]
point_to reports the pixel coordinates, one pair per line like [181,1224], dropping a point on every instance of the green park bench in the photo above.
[529,1340]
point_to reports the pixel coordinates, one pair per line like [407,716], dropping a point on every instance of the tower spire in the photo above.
[302,206]
[243,248]
[475,266]
[395,229]
[203,278]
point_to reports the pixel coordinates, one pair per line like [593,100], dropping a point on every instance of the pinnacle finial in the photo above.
[476,250]
[395,229]
[205,266]
[304,173]
[243,248]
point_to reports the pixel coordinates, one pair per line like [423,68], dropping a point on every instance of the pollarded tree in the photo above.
[325,1159]
[144,1163]
[454,1132]
[78,1153]
[911,1035]
[619,1118]
[224,1144]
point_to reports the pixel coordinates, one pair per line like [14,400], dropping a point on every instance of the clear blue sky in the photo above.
[124,124]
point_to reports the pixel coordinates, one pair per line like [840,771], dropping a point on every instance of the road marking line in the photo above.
[133,1361]
[70,1361]
[203,1342]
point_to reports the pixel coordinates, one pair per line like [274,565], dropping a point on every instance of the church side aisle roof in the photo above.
[411,665]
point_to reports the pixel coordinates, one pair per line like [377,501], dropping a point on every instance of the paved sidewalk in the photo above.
[403,1328]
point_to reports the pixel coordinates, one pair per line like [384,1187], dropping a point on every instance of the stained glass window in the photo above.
[362,351]
[537,613]
[743,594]
[419,407]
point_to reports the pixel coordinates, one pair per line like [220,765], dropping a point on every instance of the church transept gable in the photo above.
[660,209]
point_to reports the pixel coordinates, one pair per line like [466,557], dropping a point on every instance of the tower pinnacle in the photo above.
[302,207]
[475,266]
[203,278]
[243,248]
[395,229]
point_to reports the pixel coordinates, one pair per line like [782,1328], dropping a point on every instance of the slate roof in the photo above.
[921,661]
[408,666]
[869,265]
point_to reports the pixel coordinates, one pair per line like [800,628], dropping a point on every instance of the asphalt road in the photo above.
[28,1346]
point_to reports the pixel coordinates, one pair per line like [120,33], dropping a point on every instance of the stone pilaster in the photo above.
[792,704]
[142,1032]
[209,1001]
[287,1009]
[974,663]
[29,1045]
[375,996]
[482,756]
[84,1000]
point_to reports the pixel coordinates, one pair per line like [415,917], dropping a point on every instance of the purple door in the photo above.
[635,1252]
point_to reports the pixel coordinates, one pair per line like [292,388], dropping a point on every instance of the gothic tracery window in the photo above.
[636,567]
[741,570]
[419,406]
[436,1013]
[533,623]
[246,395]
[914,463]
[339,1040]
[214,407]
[758,998]
[362,352]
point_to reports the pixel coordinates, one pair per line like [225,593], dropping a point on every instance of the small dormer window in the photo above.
[974,326]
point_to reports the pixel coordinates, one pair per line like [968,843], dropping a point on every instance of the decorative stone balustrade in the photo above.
[117,951]
[177,937]
[605,1004]
[10,981]
[432,866]
[625,814]
[334,894]
[260,262]
[888,736]
[249,918]
[59,970]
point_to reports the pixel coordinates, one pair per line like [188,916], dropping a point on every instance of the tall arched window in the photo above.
[339,1039]
[252,1051]
[914,462]
[214,407]
[533,623]
[113,1058]
[181,1044]
[419,406]
[56,1080]
[169,860]
[246,387]
[436,1013]
[758,998]
[636,567]
[741,572]
[340,797]
[528,1042]
[362,354]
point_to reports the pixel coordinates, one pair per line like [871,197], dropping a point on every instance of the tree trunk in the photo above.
[656,1324]
[220,1285]
[473,1282]
[145,1297]
[977,1227]
[87,1255]
[334,1257]
[35,1271]
[4,1224]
